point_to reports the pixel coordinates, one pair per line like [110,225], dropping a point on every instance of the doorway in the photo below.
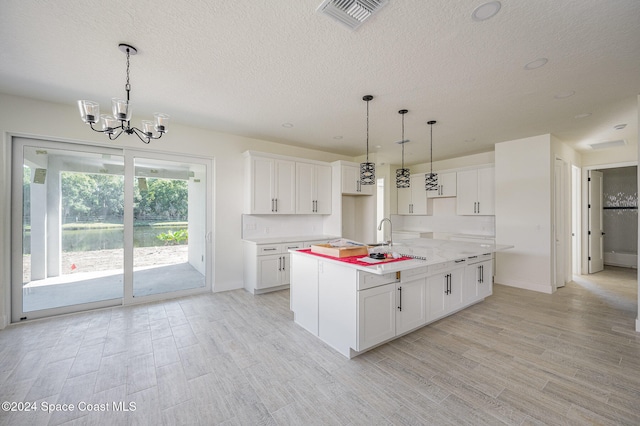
[612,219]
[94,227]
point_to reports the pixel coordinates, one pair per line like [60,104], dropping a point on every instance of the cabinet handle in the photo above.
[482,274]
[276,205]
[449,282]
[400,306]
[358,186]
[269,249]
[284,263]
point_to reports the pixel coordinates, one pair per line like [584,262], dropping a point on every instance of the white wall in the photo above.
[33,118]
[638,157]
[523,212]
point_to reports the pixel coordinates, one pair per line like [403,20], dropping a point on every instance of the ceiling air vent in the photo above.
[351,13]
[608,144]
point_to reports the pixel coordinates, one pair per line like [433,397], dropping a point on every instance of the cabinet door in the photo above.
[486,191]
[437,286]
[484,281]
[376,315]
[467,192]
[446,186]
[404,201]
[418,195]
[262,185]
[323,189]
[350,180]
[305,188]
[285,186]
[455,299]
[269,271]
[411,305]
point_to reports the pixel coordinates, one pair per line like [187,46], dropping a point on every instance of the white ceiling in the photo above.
[246,67]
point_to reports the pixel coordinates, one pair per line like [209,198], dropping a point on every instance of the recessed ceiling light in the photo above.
[287,125]
[565,94]
[337,137]
[583,115]
[486,11]
[470,140]
[378,146]
[536,64]
[619,126]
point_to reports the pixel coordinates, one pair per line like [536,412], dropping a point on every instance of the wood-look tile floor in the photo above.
[518,358]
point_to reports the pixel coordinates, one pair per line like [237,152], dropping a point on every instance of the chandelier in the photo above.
[367,169]
[403,175]
[120,122]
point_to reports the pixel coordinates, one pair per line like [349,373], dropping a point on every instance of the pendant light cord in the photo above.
[367,131]
[402,141]
[127,86]
[431,150]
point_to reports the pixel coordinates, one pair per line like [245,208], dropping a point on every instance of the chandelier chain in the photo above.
[127,86]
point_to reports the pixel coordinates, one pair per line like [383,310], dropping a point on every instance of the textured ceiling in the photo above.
[246,67]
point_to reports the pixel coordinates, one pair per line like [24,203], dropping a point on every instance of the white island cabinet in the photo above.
[354,307]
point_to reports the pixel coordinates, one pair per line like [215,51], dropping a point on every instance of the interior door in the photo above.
[596,231]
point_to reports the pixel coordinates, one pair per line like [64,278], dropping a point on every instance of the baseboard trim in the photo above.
[3,322]
[525,285]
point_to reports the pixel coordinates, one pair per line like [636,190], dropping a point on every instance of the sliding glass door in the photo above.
[169,224]
[95,227]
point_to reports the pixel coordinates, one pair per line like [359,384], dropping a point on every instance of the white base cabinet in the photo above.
[479,276]
[353,310]
[266,266]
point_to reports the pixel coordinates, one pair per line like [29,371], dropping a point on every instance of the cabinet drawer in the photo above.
[367,280]
[412,274]
[480,258]
[440,267]
[291,246]
[269,249]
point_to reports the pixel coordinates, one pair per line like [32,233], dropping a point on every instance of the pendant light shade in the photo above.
[431,179]
[403,175]
[367,169]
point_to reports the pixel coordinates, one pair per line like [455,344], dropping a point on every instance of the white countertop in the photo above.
[433,252]
[277,240]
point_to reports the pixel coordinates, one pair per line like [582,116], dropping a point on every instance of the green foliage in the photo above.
[163,199]
[173,238]
[100,198]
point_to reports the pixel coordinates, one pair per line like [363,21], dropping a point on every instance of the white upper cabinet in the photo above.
[272,185]
[476,192]
[351,185]
[446,186]
[313,189]
[413,200]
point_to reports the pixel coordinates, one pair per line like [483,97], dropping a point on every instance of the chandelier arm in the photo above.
[139,133]
[117,135]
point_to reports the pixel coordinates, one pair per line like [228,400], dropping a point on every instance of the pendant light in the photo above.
[431,179]
[367,169]
[403,179]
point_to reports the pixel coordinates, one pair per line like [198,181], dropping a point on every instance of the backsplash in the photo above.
[270,226]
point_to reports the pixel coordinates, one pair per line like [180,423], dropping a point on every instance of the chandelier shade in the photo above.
[367,169]
[431,179]
[403,175]
[120,122]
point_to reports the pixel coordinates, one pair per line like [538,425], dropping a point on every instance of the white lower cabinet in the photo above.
[411,309]
[266,266]
[376,315]
[480,276]
[445,290]
[353,310]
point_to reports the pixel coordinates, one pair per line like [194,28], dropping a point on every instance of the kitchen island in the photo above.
[354,306]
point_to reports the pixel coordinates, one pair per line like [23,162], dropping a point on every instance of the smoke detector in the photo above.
[351,13]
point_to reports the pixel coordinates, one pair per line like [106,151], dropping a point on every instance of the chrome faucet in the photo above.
[390,230]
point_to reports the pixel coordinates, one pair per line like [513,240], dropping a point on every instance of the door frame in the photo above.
[585,210]
[15,174]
